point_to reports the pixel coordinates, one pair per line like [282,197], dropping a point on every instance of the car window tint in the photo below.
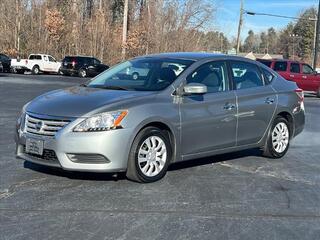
[280,66]
[295,67]
[142,74]
[51,59]
[306,69]
[213,75]
[96,61]
[32,57]
[246,75]
[268,76]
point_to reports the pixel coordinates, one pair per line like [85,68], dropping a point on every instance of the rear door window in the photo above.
[246,75]
[280,66]
[295,67]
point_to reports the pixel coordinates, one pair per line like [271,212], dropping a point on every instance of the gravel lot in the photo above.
[230,196]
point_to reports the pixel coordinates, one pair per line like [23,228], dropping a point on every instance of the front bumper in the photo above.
[113,145]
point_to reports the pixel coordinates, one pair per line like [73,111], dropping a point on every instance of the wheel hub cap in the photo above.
[152,156]
[280,137]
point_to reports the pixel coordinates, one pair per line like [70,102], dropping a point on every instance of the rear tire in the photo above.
[35,70]
[82,73]
[60,72]
[278,141]
[318,93]
[150,155]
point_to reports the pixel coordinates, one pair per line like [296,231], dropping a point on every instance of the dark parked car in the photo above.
[5,63]
[82,66]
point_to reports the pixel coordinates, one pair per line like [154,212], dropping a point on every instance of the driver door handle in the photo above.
[229,106]
[269,101]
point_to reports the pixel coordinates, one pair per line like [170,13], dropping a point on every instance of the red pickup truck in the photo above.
[306,78]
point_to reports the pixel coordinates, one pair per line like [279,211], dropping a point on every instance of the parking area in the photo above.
[232,196]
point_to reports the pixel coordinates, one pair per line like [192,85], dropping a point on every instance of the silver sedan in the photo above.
[214,104]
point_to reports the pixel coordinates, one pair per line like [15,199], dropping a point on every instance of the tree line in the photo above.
[94,27]
[296,40]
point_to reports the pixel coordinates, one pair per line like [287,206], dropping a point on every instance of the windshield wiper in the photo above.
[110,87]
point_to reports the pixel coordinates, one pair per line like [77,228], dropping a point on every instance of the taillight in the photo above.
[300,93]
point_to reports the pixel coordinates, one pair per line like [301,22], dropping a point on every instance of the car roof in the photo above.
[196,56]
[79,56]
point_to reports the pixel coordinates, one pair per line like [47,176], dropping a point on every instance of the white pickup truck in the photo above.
[36,63]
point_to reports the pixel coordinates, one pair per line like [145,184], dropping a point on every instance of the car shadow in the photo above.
[122,176]
[256,152]
[74,175]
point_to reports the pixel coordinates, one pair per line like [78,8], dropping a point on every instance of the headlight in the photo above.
[25,107]
[22,116]
[101,122]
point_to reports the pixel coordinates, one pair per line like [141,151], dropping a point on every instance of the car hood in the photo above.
[77,101]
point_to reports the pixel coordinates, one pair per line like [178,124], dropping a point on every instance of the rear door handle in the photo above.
[229,106]
[304,77]
[291,75]
[269,101]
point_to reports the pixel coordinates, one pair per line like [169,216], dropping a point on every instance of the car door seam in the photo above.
[237,118]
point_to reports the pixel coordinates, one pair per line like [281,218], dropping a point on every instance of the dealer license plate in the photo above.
[34,146]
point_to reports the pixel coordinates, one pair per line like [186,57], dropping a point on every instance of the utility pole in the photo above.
[239,26]
[125,28]
[316,49]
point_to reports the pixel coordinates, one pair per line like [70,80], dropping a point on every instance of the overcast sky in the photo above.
[227,15]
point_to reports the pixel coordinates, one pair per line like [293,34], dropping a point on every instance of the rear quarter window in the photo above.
[280,66]
[268,76]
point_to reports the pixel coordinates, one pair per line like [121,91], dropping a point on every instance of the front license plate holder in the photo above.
[34,146]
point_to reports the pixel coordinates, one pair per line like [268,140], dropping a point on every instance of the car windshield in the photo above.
[145,74]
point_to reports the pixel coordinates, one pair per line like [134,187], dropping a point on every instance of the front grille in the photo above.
[45,127]
[48,155]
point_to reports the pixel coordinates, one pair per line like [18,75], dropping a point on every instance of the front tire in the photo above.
[150,155]
[279,139]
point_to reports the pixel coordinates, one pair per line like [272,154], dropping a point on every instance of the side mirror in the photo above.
[195,88]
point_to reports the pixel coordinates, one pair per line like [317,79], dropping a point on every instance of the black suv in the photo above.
[82,66]
[5,63]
